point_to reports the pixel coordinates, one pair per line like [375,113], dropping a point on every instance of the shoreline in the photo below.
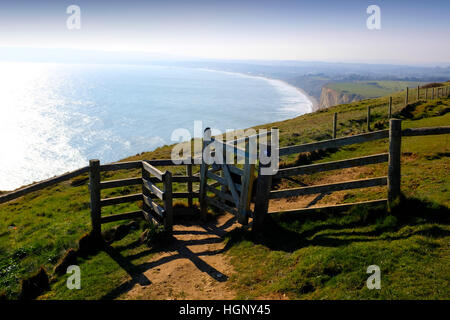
[311,99]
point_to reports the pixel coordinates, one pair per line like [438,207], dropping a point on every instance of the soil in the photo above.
[192,267]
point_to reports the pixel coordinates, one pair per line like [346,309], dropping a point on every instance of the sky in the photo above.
[412,32]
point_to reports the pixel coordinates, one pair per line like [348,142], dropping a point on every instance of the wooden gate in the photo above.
[232,171]
[152,211]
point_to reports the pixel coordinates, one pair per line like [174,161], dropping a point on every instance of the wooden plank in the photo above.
[181,195]
[247,185]
[406,96]
[394,174]
[425,131]
[230,184]
[221,180]
[168,201]
[152,170]
[121,166]
[263,188]
[258,135]
[390,108]
[332,207]
[203,177]
[230,147]
[121,199]
[176,195]
[153,188]
[189,184]
[334,125]
[355,184]
[120,183]
[220,194]
[335,143]
[185,179]
[94,190]
[236,170]
[166,162]
[214,176]
[122,216]
[334,165]
[42,184]
[221,205]
[154,207]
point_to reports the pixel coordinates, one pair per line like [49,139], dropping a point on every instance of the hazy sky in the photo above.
[411,31]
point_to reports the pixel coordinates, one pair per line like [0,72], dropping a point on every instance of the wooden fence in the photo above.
[417,94]
[151,193]
[392,180]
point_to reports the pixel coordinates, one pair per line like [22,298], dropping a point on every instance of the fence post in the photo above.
[432,94]
[94,188]
[168,204]
[189,184]
[334,125]
[203,169]
[247,185]
[224,157]
[368,118]
[390,107]
[263,187]
[394,175]
[418,93]
[406,96]
[426,93]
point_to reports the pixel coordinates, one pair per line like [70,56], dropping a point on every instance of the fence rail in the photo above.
[392,180]
[42,185]
[342,164]
[355,184]
[334,143]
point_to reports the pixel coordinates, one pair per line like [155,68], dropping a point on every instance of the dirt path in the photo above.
[192,267]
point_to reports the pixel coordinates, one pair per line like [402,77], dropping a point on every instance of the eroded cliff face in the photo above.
[330,97]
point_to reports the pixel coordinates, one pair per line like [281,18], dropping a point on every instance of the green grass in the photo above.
[37,229]
[371,89]
[325,255]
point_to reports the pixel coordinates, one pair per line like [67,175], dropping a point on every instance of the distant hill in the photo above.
[345,92]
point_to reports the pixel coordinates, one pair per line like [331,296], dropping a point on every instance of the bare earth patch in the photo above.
[192,267]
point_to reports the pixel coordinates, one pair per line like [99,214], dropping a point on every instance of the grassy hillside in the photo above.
[317,256]
[371,89]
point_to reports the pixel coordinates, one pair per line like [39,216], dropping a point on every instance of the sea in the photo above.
[55,117]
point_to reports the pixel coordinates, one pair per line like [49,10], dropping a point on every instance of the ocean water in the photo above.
[55,117]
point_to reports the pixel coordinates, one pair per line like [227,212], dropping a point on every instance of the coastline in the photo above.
[313,101]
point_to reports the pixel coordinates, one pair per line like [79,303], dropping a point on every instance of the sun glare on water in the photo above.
[33,135]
